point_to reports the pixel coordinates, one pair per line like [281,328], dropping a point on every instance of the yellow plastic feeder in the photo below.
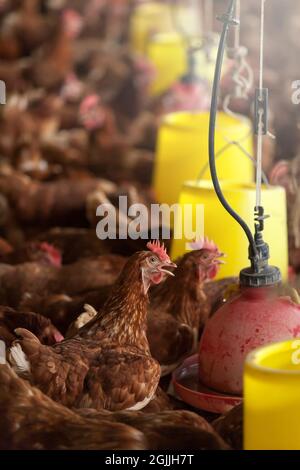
[182,152]
[152,18]
[271,397]
[148,19]
[167,53]
[223,229]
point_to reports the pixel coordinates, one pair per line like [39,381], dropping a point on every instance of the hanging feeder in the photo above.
[148,19]
[257,316]
[185,133]
[241,197]
[272,387]
[178,56]
[167,54]
[238,190]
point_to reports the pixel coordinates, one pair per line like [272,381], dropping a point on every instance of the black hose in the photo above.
[227,20]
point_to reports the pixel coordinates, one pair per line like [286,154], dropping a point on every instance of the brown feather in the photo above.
[169,430]
[108,364]
[40,326]
[32,421]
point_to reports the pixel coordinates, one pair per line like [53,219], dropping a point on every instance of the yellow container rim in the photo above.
[174,35]
[166,38]
[254,359]
[151,8]
[174,121]
[229,186]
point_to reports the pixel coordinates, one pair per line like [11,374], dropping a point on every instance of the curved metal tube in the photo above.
[227,20]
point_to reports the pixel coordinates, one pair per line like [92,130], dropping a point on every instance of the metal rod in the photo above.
[260,133]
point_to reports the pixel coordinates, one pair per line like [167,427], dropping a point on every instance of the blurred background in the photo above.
[120,90]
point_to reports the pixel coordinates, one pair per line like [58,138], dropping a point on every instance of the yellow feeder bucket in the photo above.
[223,229]
[148,19]
[182,152]
[271,404]
[167,53]
[152,18]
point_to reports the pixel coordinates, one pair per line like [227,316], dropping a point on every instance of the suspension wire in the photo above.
[260,133]
[237,31]
[227,146]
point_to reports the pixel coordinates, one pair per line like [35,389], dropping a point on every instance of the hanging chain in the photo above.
[243,78]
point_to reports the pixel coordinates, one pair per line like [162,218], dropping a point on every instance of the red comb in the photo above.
[73,22]
[72,88]
[54,253]
[91,112]
[204,244]
[159,250]
[89,102]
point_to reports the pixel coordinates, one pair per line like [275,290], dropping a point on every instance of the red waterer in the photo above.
[258,315]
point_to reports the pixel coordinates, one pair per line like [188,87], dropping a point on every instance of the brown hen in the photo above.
[44,203]
[40,326]
[230,427]
[108,364]
[27,285]
[169,430]
[52,62]
[178,307]
[287,174]
[32,421]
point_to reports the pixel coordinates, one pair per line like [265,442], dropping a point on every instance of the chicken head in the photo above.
[155,265]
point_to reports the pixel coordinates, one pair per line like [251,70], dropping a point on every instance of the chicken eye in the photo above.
[153,260]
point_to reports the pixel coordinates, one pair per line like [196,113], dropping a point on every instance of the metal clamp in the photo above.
[260,218]
[228,19]
[261,111]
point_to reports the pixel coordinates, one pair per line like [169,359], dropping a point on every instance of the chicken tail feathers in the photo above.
[19,361]
[21,350]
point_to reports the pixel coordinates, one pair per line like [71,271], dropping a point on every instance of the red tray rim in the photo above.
[193,361]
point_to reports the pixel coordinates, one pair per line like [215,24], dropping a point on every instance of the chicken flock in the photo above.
[94,328]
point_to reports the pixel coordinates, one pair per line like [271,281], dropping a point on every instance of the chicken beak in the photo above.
[219,261]
[214,267]
[164,268]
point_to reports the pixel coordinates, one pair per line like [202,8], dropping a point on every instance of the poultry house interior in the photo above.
[149,227]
